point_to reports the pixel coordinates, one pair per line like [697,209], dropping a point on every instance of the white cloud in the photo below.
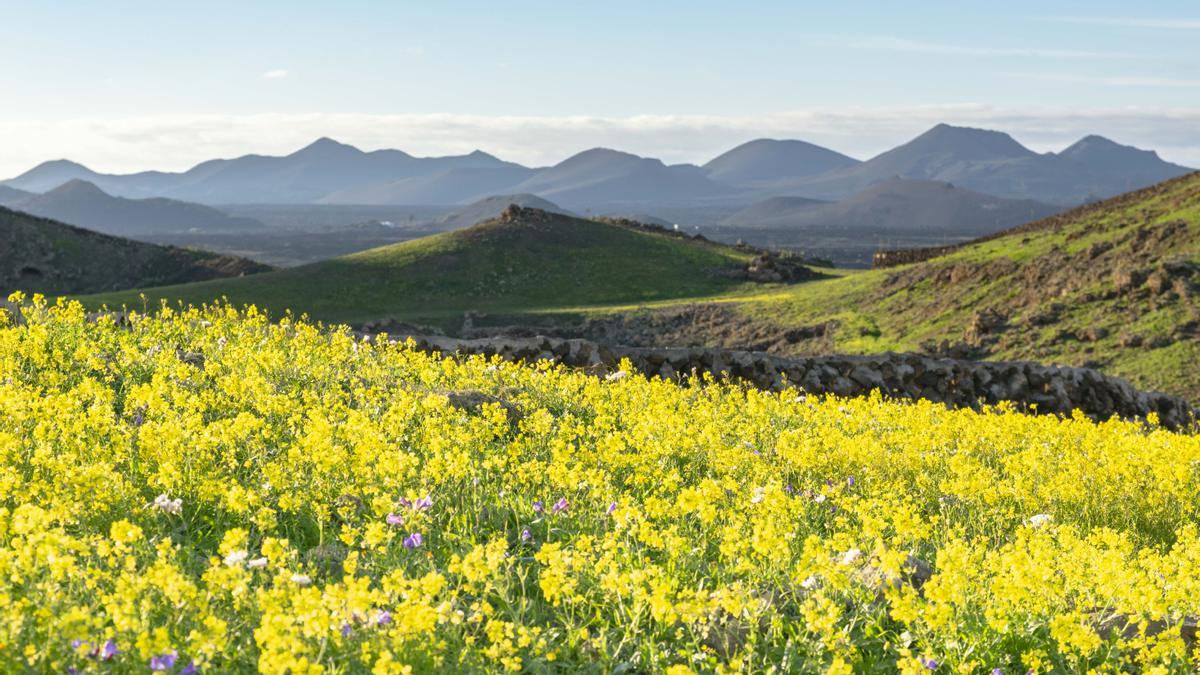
[915,46]
[277,74]
[176,142]
[1132,22]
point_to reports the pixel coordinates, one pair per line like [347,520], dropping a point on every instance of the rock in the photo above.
[473,401]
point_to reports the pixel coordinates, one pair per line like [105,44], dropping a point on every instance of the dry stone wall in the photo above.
[957,383]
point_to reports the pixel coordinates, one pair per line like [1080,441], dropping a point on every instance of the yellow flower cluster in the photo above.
[204,490]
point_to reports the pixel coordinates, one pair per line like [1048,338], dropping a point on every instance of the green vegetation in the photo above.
[538,260]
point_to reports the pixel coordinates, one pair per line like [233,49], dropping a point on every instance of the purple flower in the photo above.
[395,519]
[611,507]
[850,481]
[538,506]
[931,664]
[72,670]
[77,643]
[109,650]
[189,669]
[383,617]
[424,503]
[526,536]
[163,661]
[997,671]
[406,502]
[789,489]
[413,540]
[346,629]
[560,506]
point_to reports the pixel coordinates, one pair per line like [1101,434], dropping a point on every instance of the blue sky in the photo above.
[127,85]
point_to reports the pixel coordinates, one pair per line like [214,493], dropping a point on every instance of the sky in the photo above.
[128,85]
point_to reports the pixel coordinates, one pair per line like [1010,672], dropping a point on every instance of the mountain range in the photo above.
[83,204]
[330,172]
[994,163]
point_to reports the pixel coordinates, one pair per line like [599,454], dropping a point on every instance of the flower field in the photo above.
[210,491]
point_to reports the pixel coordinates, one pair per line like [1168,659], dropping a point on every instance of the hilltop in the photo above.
[767,160]
[44,256]
[525,260]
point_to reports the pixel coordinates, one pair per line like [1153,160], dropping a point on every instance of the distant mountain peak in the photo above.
[325,146]
[969,142]
[78,187]
[1093,145]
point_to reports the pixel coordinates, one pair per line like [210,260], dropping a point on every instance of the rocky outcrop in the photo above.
[957,383]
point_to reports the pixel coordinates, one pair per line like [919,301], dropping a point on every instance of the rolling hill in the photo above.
[526,259]
[1115,285]
[83,204]
[491,207]
[766,161]
[897,206]
[993,163]
[602,176]
[38,255]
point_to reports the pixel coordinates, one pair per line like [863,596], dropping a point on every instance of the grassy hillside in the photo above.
[44,256]
[528,259]
[1114,285]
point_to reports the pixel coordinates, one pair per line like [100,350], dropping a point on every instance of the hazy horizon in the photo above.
[147,86]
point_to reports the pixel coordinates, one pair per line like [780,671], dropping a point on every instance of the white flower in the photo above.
[301,579]
[1040,520]
[236,558]
[617,375]
[257,563]
[809,583]
[820,499]
[758,495]
[850,557]
[168,505]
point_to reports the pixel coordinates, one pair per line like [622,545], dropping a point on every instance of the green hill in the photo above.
[525,260]
[38,255]
[1115,285]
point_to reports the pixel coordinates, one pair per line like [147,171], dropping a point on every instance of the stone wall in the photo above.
[905,256]
[958,383]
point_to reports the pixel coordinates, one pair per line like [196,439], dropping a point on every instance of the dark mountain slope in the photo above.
[38,255]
